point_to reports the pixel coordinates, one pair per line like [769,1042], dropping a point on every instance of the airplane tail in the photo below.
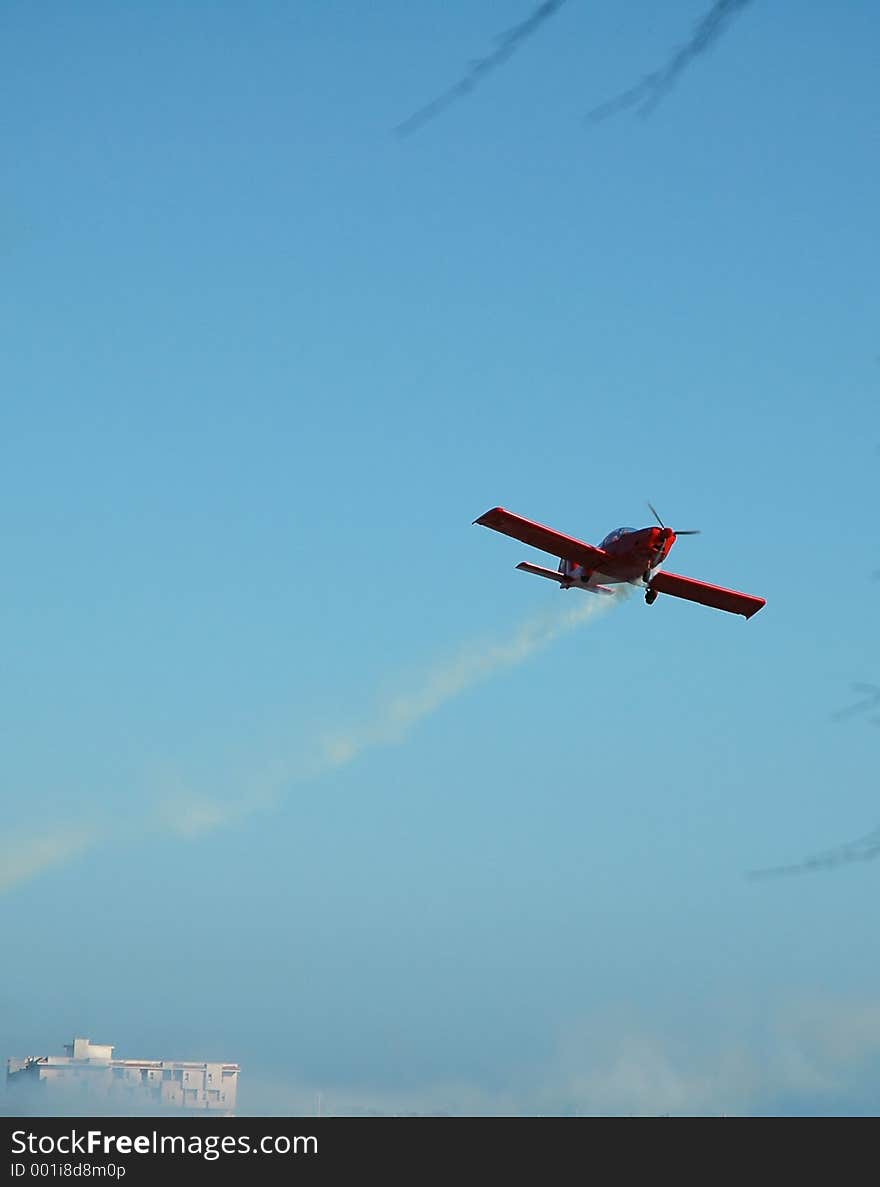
[550,574]
[563,579]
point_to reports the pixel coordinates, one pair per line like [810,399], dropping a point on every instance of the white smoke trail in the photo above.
[26,857]
[186,813]
[397,717]
[189,814]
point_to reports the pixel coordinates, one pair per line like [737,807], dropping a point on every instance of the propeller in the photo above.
[692,532]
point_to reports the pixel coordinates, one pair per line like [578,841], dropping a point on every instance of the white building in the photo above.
[89,1073]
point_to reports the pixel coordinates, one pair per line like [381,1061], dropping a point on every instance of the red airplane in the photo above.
[626,556]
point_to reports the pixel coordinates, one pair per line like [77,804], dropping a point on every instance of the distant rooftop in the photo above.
[190,1085]
[84,1049]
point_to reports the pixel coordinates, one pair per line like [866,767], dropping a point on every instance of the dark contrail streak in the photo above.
[870,700]
[508,43]
[865,849]
[645,96]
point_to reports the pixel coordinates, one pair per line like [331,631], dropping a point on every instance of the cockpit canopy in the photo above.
[614,536]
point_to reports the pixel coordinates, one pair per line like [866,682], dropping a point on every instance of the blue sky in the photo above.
[297,770]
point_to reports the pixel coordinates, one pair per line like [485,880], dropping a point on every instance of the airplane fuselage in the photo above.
[632,556]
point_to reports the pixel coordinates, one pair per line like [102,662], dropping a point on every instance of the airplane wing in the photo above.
[707,595]
[548,540]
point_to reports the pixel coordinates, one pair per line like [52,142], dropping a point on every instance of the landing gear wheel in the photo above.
[651,597]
